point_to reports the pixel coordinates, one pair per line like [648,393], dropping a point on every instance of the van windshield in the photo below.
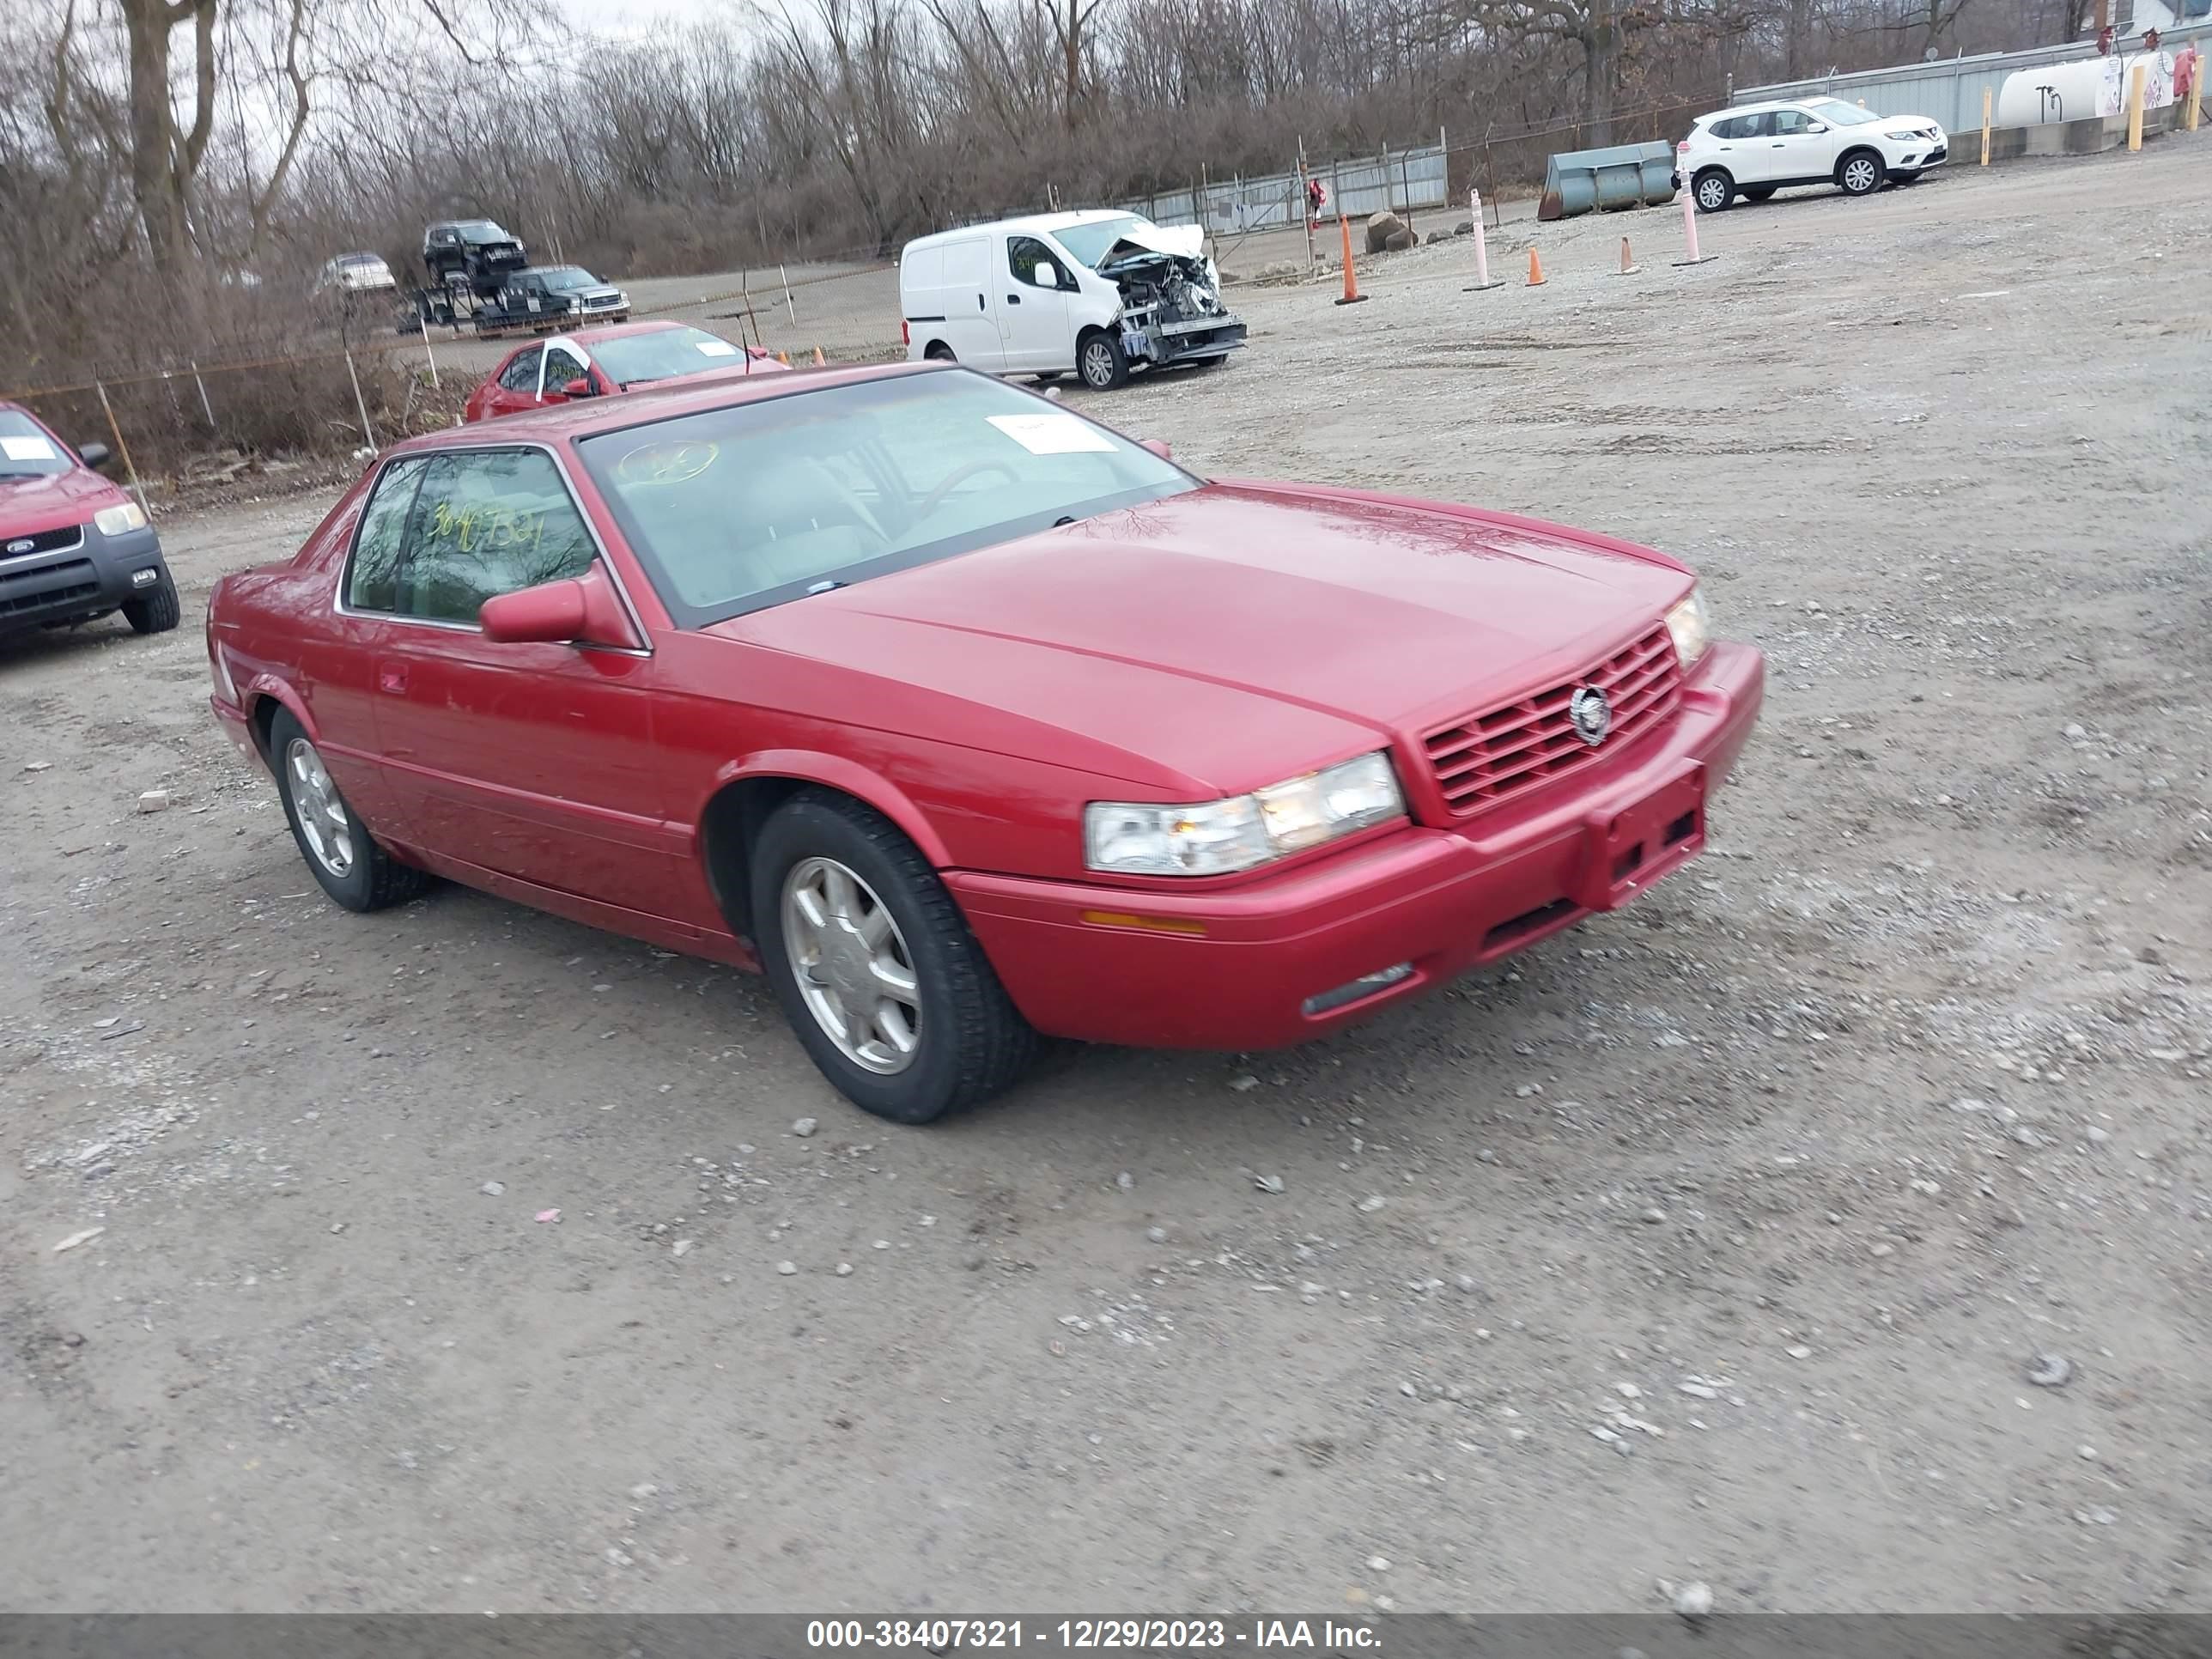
[767,500]
[1089,242]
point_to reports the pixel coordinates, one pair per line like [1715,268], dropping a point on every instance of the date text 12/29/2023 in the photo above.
[1124,1635]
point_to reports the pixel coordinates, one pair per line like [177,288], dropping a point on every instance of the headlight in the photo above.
[120,520]
[1903,138]
[1686,622]
[1215,838]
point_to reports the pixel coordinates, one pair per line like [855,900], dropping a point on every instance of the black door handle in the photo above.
[980,306]
[1013,299]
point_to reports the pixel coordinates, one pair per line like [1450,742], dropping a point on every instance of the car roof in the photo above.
[562,423]
[1044,222]
[609,331]
[1777,103]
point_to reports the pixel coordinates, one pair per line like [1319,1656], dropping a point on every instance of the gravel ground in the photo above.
[1715,1240]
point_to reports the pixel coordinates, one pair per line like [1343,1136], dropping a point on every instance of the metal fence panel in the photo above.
[1950,89]
[1393,179]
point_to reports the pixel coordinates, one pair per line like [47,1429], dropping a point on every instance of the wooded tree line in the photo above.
[153,150]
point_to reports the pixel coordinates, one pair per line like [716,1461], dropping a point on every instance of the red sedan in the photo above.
[597,362]
[966,719]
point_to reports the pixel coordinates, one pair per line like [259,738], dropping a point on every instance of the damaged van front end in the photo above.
[1171,306]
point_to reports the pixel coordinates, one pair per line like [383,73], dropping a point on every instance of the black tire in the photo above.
[1860,172]
[1048,377]
[938,352]
[1714,189]
[1765,192]
[1903,178]
[971,1042]
[1100,363]
[373,879]
[157,609]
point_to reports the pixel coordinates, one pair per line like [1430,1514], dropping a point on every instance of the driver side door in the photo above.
[1033,320]
[515,386]
[526,760]
[1803,146]
[563,366]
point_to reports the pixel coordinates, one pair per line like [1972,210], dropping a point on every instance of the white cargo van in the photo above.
[1091,293]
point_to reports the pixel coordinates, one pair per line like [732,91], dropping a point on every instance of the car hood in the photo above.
[1179,241]
[1230,637]
[29,505]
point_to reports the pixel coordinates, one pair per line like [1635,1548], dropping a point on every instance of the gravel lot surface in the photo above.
[1830,1227]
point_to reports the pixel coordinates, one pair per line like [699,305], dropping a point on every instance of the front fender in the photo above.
[835,772]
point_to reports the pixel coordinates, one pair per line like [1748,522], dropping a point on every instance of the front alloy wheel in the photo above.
[1861,176]
[1103,365]
[855,974]
[875,966]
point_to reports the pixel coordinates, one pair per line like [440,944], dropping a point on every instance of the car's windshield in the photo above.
[1836,111]
[25,449]
[482,230]
[568,276]
[765,501]
[663,354]
[1089,242]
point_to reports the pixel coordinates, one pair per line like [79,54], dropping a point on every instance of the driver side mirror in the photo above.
[1817,126]
[579,610]
[94,455]
[1159,447]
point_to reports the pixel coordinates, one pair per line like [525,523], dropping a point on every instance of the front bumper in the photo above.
[1236,968]
[74,583]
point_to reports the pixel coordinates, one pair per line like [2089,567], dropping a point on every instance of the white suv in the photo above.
[1755,150]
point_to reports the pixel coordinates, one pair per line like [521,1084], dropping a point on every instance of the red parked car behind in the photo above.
[73,545]
[968,719]
[598,363]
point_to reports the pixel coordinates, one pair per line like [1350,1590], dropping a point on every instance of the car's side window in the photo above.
[1033,263]
[372,580]
[1757,126]
[562,366]
[521,375]
[487,522]
[1790,122]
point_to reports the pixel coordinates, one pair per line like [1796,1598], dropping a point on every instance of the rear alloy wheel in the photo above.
[1101,361]
[343,857]
[157,609]
[1714,190]
[881,979]
[1860,173]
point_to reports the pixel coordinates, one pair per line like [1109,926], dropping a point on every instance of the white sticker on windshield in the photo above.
[717,349]
[28,449]
[1052,435]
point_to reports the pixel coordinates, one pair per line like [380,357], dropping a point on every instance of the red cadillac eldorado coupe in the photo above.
[966,719]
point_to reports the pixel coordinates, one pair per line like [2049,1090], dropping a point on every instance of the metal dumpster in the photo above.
[1624,176]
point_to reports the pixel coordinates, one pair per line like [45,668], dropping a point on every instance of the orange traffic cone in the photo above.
[784,358]
[1352,297]
[1628,265]
[1536,270]
[820,360]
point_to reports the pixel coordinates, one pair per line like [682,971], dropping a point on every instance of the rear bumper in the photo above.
[1237,968]
[71,583]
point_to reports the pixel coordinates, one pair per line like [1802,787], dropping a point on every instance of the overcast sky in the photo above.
[639,17]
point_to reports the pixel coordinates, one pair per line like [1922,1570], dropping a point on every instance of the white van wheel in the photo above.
[938,352]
